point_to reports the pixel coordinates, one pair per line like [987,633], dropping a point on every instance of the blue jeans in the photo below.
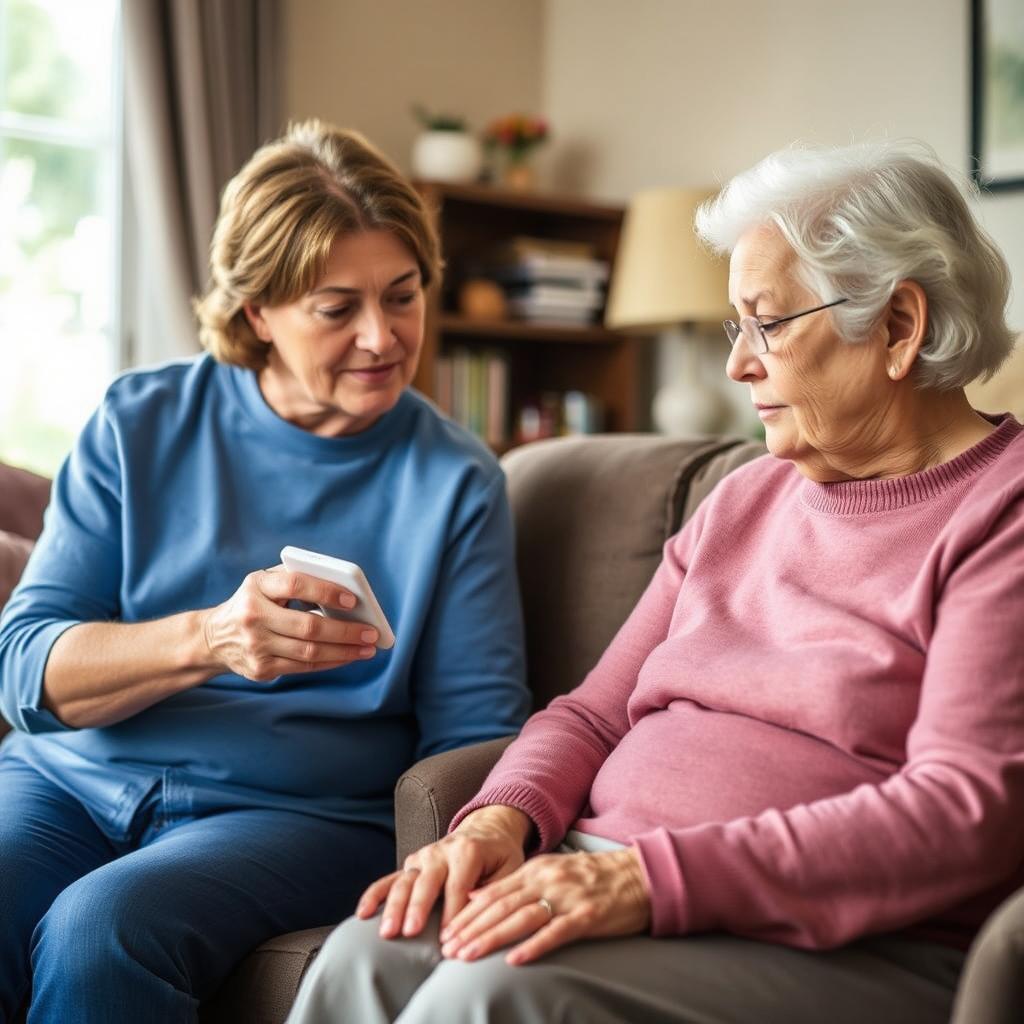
[103,931]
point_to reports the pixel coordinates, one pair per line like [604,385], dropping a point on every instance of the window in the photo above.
[60,161]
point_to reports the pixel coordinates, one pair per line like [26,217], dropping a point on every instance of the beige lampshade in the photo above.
[662,274]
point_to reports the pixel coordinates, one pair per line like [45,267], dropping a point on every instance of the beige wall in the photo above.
[362,63]
[655,92]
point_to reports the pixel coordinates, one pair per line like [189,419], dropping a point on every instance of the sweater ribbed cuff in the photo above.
[550,830]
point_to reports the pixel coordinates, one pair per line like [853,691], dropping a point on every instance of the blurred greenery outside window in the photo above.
[60,221]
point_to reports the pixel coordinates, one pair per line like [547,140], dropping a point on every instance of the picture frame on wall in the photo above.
[997,94]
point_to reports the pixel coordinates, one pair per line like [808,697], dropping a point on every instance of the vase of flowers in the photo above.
[445,150]
[512,139]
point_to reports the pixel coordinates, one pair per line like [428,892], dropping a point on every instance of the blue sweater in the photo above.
[182,483]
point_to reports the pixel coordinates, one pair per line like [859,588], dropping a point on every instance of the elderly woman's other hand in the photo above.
[487,845]
[254,634]
[552,901]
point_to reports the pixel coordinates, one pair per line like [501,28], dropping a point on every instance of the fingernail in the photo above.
[448,949]
[386,925]
[411,924]
[445,935]
[367,652]
[515,957]
[468,953]
[347,601]
[368,636]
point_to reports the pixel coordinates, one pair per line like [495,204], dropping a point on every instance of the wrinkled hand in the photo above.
[253,634]
[487,845]
[591,895]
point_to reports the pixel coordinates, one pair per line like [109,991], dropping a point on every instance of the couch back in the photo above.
[592,515]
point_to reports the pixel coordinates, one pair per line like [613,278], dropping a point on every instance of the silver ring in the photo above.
[547,906]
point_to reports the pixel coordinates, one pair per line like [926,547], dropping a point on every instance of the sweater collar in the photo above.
[392,425]
[853,497]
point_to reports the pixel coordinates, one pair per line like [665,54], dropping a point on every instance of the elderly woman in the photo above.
[795,781]
[198,764]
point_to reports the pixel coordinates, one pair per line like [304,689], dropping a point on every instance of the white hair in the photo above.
[863,218]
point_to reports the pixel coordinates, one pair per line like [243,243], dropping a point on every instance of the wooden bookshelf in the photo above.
[612,366]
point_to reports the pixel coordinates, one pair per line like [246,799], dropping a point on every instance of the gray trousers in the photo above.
[360,978]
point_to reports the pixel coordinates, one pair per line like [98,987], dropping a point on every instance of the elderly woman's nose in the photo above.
[743,362]
[375,331]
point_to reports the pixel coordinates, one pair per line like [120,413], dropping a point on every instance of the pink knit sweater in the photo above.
[812,725]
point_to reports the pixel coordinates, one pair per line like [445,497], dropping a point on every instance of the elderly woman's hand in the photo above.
[551,901]
[487,845]
[254,634]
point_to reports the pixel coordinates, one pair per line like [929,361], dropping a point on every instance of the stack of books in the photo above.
[472,388]
[551,281]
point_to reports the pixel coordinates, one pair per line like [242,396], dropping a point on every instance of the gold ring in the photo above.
[547,906]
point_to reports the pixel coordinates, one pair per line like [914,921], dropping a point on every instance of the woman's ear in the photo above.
[254,314]
[906,323]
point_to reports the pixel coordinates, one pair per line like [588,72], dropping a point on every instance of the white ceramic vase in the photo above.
[447,156]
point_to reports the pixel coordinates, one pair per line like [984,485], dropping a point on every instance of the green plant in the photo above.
[437,122]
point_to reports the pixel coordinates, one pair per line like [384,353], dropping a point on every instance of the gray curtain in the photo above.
[202,81]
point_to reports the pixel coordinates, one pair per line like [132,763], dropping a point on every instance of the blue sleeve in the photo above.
[73,575]
[470,665]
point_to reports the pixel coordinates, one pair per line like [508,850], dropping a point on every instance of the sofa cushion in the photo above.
[23,497]
[14,552]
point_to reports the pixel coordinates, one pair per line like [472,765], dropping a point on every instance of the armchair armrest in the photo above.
[432,790]
[991,989]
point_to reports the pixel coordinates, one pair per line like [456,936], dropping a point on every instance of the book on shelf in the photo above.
[550,280]
[518,247]
[551,312]
[472,388]
[569,295]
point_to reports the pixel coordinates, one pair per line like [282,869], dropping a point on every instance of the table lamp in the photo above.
[663,279]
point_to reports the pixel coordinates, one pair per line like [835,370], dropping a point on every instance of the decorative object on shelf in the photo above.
[558,414]
[664,279]
[482,299]
[512,139]
[445,150]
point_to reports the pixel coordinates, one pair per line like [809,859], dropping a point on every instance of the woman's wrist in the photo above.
[517,824]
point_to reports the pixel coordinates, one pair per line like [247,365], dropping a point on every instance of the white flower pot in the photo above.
[447,156]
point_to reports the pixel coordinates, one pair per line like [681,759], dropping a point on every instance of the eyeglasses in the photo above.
[754,329]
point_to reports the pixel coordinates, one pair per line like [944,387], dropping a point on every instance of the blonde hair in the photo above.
[280,216]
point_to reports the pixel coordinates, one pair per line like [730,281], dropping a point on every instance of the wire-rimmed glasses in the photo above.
[755,329]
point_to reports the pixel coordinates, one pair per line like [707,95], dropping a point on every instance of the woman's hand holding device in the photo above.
[255,634]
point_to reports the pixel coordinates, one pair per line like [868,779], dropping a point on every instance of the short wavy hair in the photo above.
[280,216]
[863,218]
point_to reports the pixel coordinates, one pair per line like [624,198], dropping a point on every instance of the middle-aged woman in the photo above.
[197,764]
[795,780]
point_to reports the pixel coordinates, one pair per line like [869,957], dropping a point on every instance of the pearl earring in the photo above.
[893,370]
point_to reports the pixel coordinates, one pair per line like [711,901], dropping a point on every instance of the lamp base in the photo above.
[684,409]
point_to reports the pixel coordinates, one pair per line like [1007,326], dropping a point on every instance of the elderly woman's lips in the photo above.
[764,411]
[372,373]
